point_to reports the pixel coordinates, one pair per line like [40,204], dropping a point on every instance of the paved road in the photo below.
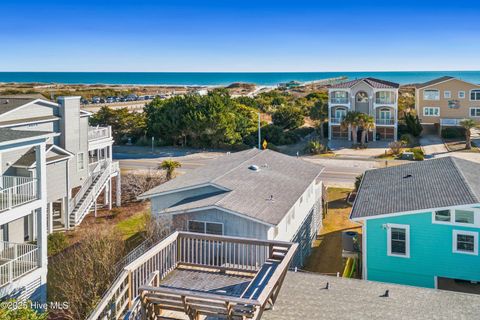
[337,172]
[433,145]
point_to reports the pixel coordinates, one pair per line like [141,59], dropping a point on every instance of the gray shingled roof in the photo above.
[436,183]
[7,135]
[373,82]
[12,102]
[434,81]
[54,153]
[303,296]
[284,177]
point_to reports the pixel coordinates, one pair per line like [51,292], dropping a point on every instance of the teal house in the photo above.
[421,224]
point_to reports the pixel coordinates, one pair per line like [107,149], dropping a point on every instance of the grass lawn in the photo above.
[459,145]
[132,225]
[326,256]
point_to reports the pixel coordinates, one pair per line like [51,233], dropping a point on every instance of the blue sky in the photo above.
[244,35]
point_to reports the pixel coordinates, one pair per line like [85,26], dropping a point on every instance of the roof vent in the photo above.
[407,176]
[254,167]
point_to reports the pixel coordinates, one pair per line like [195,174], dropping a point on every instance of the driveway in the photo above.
[433,145]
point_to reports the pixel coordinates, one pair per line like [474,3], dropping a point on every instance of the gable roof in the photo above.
[246,191]
[436,183]
[372,82]
[54,153]
[434,81]
[8,136]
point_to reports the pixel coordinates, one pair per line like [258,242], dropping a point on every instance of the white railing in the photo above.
[336,120]
[16,259]
[95,133]
[384,101]
[16,191]
[89,195]
[339,100]
[390,121]
[450,122]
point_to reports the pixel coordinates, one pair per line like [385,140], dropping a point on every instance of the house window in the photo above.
[205,227]
[431,111]
[464,216]
[475,112]
[398,237]
[340,113]
[431,95]
[443,216]
[80,161]
[385,114]
[384,97]
[447,94]
[475,95]
[461,94]
[465,242]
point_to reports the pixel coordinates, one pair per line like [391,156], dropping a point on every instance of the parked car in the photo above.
[96,100]
[131,97]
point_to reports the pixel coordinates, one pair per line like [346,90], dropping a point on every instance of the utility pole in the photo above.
[153,139]
[259,135]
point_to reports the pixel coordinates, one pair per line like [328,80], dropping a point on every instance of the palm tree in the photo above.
[170,166]
[367,122]
[468,124]
[319,113]
[352,119]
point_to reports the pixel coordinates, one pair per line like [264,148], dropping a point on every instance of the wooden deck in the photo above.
[205,280]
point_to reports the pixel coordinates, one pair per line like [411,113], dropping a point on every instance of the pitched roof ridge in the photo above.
[462,176]
[235,167]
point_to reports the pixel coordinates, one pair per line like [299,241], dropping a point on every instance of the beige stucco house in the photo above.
[446,101]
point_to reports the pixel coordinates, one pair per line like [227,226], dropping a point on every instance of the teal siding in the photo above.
[431,253]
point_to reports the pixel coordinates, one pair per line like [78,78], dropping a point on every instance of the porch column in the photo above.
[50,217]
[41,212]
[109,184]
[350,133]
[329,131]
[118,190]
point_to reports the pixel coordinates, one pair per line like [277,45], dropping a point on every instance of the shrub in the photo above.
[57,242]
[16,310]
[413,124]
[314,147]
[396,147]
[418,154]
[358,180]
[453,133]
[408,139]
[288,117]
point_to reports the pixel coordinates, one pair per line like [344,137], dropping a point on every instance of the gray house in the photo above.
[255,194]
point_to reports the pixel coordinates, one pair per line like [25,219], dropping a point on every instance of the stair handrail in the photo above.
[85,205]
[83,189]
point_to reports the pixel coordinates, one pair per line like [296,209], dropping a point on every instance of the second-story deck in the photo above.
[16,260]
[196,276]
[98,133]
[16,191]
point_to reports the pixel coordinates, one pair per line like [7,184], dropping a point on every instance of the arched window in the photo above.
[385,114]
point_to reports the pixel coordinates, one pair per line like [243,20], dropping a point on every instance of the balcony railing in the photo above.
[96,133]
[16,259]
[16,191]
[336,120]
[385,122]
[384,101]
[339,100]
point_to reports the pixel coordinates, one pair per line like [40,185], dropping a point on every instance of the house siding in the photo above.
[431,253]
[57,181]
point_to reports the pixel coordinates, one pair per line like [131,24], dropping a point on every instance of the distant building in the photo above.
[54,167]
[289,85]
[254,194]
[375,97]
[446,101]
[421,224]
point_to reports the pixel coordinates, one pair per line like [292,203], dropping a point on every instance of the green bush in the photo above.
[57,242]
[408,139]
[20,310]
[418,154]
[413,124]
[314,147]
[453,133]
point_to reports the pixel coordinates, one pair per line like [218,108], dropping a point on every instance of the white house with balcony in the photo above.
[378,98]
[54,168]
[78,157]
[23,218]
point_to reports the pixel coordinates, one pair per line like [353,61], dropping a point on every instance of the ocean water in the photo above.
[222,78]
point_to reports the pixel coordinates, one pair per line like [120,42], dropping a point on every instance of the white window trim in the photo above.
[470,94]
[423,94]
[83,161]
[467,233]
[205,225]
[445,94]
[459,97]
[407,240]
[476,220]
[470,112]
[429,115]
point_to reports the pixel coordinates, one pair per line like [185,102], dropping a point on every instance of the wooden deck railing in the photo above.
[199,250]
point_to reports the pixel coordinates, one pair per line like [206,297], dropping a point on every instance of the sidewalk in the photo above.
[433,145]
